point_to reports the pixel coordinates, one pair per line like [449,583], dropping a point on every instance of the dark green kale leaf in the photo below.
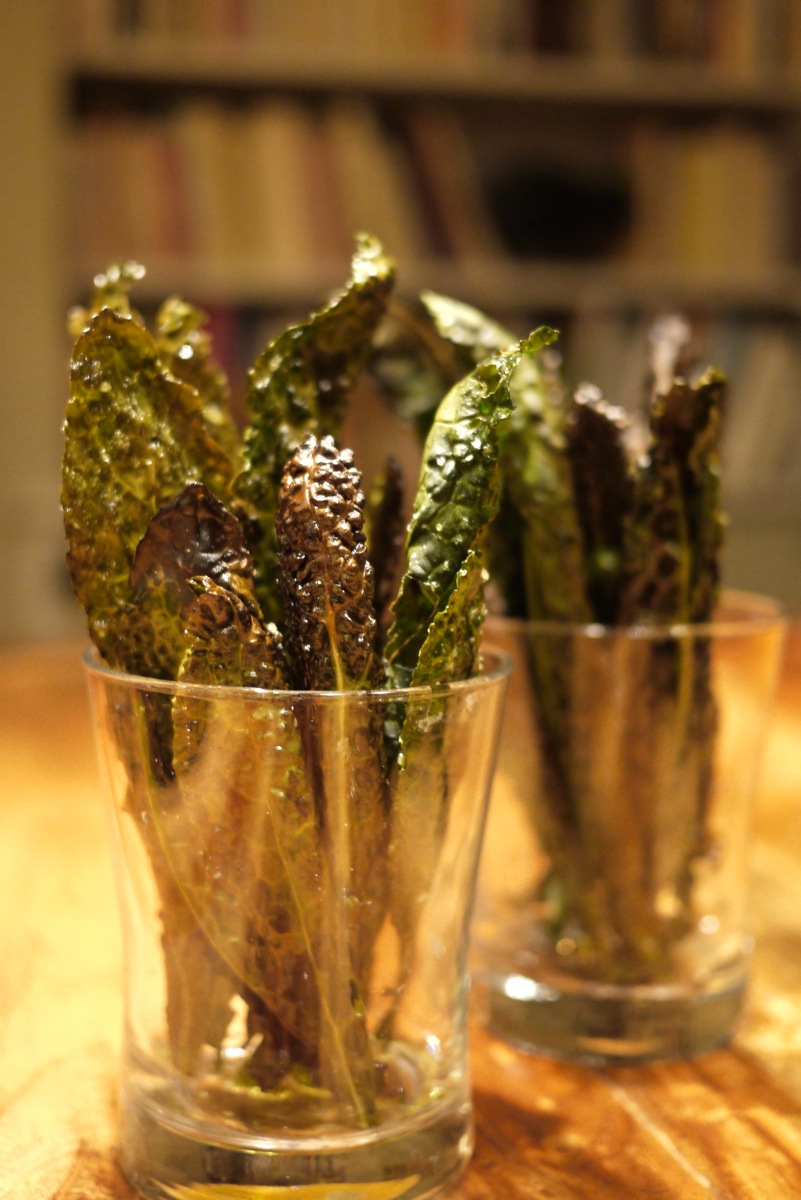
[386,536]
[299,386]
[595,433]
[675,534]
[673,552]
[112,289]
[450,651]
[703,489]
[458,495]
[471,334]
[183,342]
[418,730]
[134,436]
[185,348]
[438,619]
[539,484]
[566,474]
[424,347]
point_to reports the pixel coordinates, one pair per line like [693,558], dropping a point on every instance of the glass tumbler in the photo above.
[611,916]
[296,874]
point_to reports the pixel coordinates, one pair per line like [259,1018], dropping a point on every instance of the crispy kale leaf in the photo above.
[327,591]
[112,289]
[451,648]
[386,534]
[539,484]
[675,533]
[227,643]
[134,436]
[426,346]
[595,446]
[193,535]
[325,579]
[438,617]
[470,333]
[299,386]
[190,544]
[185,348]
[457,496]
[255,858]
[243,863]
[672,568]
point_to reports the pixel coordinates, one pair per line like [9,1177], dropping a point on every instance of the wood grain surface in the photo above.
[726,1125]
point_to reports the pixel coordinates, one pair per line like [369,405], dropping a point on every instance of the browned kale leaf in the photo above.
[193,535]
[325,578]
[326,586]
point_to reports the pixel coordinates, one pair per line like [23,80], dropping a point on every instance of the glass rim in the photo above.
[499,668]
[738,614]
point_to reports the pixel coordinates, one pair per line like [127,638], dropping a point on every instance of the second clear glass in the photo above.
[611,922]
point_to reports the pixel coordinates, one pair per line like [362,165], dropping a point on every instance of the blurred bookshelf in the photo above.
[591,163]
[646,149]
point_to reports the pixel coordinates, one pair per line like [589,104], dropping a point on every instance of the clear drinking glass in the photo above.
[611,916]
[296,873]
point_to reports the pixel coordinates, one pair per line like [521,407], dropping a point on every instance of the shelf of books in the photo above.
[265,197]
[740,37]
[480,75]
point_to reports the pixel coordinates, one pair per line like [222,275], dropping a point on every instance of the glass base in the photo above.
[601,1024]
[166,1157]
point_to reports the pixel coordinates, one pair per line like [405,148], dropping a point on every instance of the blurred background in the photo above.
[589,163]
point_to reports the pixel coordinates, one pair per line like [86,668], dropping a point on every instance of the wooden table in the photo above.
[727,1125]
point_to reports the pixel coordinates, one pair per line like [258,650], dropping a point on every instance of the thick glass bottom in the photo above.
[168,1157]
[602,1024]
